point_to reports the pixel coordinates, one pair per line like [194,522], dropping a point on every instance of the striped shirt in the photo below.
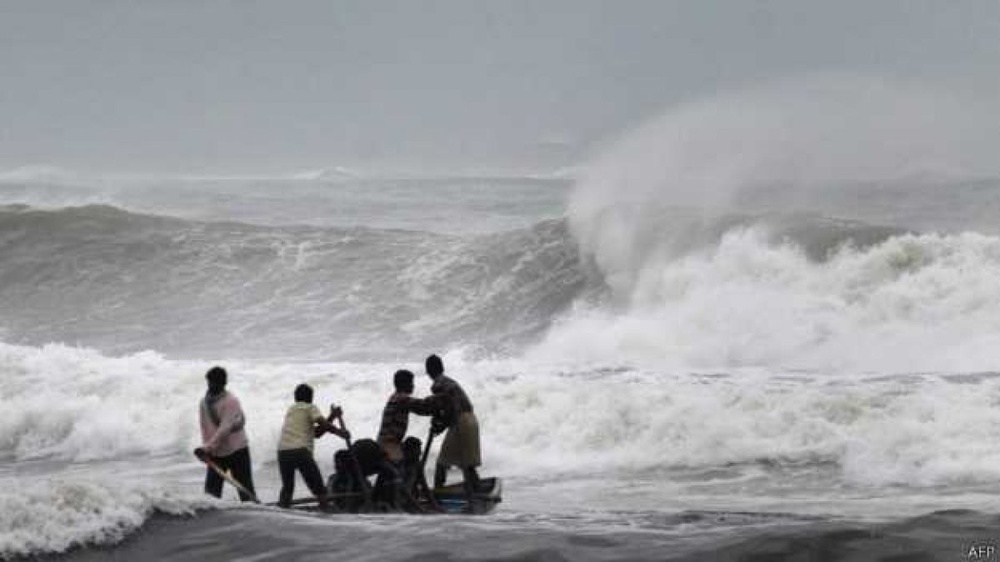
[396,416]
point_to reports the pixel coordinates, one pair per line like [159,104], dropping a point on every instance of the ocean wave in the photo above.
[853,432]
[327,174]
[59,514]
[787,291]
[58,404]
[714,227]
[537,419]
[118,431]
[455,205]
[912,302]
[121,281]
[42,174]
[73,404]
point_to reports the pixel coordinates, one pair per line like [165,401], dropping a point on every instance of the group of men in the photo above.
[392,456]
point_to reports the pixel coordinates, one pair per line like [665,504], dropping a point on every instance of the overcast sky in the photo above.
[228,86]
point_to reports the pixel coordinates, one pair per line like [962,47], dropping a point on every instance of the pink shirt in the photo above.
[229,436]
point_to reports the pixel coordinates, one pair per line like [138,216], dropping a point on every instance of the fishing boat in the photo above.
[449,499]
[452,498]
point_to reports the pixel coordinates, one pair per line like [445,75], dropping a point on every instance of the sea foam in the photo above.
[55,515]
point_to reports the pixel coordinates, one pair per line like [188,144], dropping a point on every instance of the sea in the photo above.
[787,374]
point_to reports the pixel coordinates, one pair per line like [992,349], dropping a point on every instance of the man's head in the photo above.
[403,380]
[411,450]
[216,378]
[434,366]
[304,393]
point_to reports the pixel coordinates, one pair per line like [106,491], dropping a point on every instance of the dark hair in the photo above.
[304,393]
[434,366]
[216,376]
[403,380]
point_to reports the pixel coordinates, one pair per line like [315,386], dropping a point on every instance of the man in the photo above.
[396,415]
[414,481]
[352,467]
[395,421]
[303,423]
[461,444]
[223,435]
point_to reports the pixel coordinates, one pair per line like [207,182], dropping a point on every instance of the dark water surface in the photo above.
[251,534]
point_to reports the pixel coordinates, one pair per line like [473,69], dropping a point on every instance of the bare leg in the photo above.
[440,475]
[471,484]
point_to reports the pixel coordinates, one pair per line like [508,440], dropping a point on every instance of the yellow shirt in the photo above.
[297,432]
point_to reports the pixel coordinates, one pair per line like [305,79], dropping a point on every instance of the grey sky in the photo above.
[249,86]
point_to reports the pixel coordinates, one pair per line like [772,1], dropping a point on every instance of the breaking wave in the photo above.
[538,418]
[789,291]
[123,282]
[906,285]
[909,303]
[56,515]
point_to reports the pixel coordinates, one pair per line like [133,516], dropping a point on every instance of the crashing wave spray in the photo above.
[749,295]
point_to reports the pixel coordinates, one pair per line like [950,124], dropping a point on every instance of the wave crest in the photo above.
[124,282]
[57,515]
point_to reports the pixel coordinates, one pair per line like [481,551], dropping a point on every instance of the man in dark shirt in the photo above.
[396,415]
[454,413]
[400,476]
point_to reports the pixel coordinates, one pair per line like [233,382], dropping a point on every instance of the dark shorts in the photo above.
[238,463]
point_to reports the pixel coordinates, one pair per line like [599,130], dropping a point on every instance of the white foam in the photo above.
[57,514]
[538,417]
[71,404]
[919,430]
[74,404]
[93,420]
[912,303]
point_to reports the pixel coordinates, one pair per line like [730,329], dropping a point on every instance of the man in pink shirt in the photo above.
[222,433]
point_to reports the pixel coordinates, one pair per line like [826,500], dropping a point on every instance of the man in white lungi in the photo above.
[461,443]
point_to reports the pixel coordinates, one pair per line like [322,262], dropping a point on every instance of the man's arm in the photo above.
[422,406]
[435,405]
[438,406]
[326,425]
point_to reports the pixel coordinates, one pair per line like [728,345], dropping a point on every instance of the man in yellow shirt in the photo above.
[304,422]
